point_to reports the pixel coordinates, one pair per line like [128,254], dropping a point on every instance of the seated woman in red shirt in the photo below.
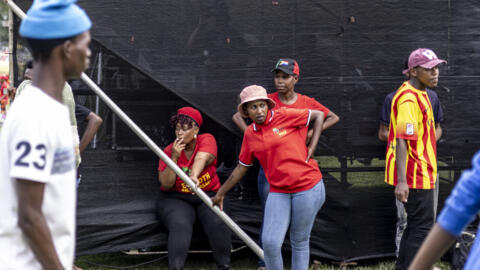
[196,155]
[277,139]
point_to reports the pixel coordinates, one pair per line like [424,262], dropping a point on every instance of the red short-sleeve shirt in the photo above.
[279,145]
[302,102]
[208,178]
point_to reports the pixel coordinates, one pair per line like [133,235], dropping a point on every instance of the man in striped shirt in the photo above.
[411,159]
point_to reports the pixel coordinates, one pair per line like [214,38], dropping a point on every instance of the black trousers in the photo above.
[178,213]
[420,219]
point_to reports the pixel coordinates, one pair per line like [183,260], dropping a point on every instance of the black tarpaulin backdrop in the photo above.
[160,55]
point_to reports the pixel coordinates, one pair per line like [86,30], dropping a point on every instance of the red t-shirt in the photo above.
[279,145]
[302,102]
[208,178]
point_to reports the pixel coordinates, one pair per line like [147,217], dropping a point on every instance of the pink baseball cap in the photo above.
[423,57]
[252,93]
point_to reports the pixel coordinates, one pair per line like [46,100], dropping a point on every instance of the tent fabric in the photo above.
[351,55]
[159,56]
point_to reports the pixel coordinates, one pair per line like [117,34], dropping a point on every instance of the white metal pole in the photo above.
[10,47]
[97,100]
[199,192]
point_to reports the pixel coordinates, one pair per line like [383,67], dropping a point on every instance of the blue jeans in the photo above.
[297,210]
[263,189]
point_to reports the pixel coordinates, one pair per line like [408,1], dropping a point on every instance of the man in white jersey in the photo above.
[37,161]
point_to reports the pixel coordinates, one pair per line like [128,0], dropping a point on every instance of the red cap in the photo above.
[192,113]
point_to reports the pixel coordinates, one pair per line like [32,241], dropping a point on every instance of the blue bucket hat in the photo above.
[54,19]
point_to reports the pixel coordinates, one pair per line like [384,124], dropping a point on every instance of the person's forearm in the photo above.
[239,121]
[167,177]
[90,131]
[198,167]
[201,161]
[317,131]
[438,132]
[383,133]
[233,179]
[434,246]
[317,118]
[401,158]
[40,241]
[330,120]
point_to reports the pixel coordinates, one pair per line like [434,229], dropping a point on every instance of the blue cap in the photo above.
[54,19]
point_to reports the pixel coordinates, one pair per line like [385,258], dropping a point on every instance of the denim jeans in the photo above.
[297,210]
[263,189]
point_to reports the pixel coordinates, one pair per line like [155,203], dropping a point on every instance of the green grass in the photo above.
[365,179]
[243,260]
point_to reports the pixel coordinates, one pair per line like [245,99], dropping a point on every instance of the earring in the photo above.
[195,136]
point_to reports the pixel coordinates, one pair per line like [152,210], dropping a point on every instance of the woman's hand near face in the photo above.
[167,177]
[177,148]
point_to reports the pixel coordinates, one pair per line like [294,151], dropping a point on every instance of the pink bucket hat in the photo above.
[251,93]
[422,57]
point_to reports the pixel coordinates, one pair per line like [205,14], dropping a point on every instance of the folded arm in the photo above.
[94,122]
[317,120]
[239,121]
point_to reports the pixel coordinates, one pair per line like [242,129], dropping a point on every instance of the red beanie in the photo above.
[192,113]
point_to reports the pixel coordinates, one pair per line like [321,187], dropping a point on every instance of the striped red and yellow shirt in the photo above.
[411,119]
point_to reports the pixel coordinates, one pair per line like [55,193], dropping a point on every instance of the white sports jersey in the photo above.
[36,145]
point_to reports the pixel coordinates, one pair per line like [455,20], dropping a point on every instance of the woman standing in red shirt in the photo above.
[178,207]
[286,74]
[276,138]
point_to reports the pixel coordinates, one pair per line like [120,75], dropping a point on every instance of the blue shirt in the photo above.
[387,105]
[461,207]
